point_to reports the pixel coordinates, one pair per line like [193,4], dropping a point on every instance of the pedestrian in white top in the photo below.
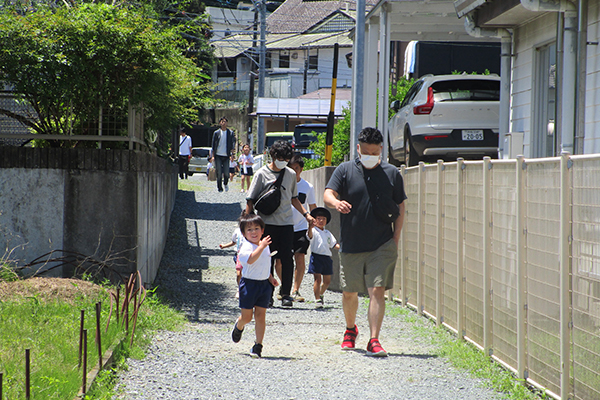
[256,285]
[246,162]
[321,243]
[185,151]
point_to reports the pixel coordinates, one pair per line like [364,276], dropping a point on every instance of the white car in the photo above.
[446,117]
[199,159]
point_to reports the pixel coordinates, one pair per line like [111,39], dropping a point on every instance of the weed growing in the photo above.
[463,355]
[50,328]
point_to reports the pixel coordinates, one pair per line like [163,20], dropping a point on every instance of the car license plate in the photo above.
[472,134]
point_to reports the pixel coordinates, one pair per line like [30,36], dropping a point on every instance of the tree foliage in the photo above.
[340,147]
[402,87]
[66,63]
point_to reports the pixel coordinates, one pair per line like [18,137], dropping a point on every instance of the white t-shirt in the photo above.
[222,147]
[232,163]
[300,222]
[322,241]
[184,145]
[261,268]
[246,161]
[237,238]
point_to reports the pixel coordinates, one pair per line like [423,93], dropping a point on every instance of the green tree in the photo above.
[67,63]
[340,147]
[402,87]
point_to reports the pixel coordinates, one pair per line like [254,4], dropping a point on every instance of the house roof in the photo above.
[325,94]
[312,40]
[234,45]
[303,108]
[298,16]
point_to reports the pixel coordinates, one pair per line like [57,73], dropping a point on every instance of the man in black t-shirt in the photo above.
[369,241]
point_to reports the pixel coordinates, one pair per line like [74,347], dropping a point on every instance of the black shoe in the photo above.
[256,351]
[271,303]
[236,334]
[287,301]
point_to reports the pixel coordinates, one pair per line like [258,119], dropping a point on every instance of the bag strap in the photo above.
[279,179]
[368,182]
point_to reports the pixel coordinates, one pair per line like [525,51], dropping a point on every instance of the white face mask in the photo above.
[369,161]
[280,164]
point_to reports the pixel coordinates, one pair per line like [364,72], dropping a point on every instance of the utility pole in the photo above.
[262,60]
[250,139]
[358,73]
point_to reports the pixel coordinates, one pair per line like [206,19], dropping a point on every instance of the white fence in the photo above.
[506,253]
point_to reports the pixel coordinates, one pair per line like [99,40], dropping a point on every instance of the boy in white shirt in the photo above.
[256,285]
[321,243]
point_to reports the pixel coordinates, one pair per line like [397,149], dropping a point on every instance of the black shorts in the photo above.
[301,242]
[231,170]
[248,171]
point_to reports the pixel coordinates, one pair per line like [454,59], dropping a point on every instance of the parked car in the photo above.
[199,159]
[304,135]
[446,117]
[272,137]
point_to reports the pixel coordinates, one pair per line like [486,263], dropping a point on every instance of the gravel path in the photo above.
[301,356]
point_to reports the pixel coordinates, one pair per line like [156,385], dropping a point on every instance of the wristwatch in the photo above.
[305,212]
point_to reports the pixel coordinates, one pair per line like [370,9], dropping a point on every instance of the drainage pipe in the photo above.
[582,26]
[505,74]
[569,70]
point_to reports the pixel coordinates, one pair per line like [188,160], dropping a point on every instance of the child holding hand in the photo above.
[321,243]
[256,284]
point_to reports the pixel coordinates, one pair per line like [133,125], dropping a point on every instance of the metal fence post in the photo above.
[521,240]
[420,230]
[565,276]
[403,295]
[487,256]
[460,275]
[439,314]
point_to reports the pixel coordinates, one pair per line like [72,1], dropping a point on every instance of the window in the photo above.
[543,136]
[466,90]
[313,60]
[284,60]
[226,68]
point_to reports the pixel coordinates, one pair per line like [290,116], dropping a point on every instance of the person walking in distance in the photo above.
[369,195]
[246,161]
[185,151]
[223,142]
[280,223]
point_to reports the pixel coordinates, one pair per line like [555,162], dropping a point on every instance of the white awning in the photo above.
[302,108]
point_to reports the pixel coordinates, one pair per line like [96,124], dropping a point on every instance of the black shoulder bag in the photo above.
[270,200]
[384,207]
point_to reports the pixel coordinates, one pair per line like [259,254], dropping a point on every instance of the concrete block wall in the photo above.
[112,205]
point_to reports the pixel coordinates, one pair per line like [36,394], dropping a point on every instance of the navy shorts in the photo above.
[231,170]
[301,242]
[255,293]
[320,264]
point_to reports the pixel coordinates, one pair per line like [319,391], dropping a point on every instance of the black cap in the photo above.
[321,211]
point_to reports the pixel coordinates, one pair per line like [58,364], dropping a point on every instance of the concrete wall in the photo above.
[111,205]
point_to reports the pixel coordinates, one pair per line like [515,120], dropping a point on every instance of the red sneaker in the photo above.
[350,338]
[374,349]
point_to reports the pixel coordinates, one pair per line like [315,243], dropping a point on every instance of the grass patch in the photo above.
[464,356]
[43,314]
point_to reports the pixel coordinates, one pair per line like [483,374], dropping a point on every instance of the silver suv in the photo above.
[446,117]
